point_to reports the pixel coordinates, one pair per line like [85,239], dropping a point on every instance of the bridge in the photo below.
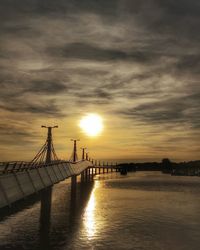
[19,180]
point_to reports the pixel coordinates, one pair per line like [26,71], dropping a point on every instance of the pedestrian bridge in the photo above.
[19,180]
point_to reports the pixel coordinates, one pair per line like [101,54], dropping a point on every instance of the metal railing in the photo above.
[11,167]
[20,166]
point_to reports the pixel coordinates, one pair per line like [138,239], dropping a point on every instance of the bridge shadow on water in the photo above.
[59,217]
[55,235]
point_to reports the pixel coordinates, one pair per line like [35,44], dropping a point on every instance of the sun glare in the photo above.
[91,124]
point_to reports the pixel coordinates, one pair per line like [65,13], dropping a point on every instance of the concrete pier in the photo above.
[73,182]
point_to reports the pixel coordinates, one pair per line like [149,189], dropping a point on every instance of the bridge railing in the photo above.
[20,166]
[10,167]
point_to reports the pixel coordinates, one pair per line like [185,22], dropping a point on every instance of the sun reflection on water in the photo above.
[89,215]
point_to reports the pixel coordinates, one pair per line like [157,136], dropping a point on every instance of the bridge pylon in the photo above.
[49,143]
[47,152]
[83,153]
[74,157]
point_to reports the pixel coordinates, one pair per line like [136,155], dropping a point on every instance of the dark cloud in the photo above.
[169,18]
[46,87]
[11,130]
[60,7]
[174,110]
[11,89]
[36,109]
[90,52]
[189,64]
[95,94]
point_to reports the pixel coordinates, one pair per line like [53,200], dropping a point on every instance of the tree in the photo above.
[167,165]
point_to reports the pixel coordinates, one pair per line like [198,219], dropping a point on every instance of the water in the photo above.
[144,210]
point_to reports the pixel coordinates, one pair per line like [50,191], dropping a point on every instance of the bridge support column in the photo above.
[90,171]
[45,217]
[88,174]
[92,174]
[73,182]
[107,170]
[103,170]
[83,176]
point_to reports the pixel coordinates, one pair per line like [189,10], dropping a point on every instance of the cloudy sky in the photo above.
[134,62]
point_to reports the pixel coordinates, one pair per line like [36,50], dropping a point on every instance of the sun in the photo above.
[91,124]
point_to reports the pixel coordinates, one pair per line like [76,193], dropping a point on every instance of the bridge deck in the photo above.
[14,167]
[21,179]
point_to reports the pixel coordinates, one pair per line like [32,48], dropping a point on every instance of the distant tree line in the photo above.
[166,166]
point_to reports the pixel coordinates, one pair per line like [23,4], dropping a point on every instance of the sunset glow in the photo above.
[91,124]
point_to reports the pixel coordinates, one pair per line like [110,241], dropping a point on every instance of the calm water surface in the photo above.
[144,210]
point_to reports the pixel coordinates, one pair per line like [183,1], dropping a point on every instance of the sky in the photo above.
[134,62]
